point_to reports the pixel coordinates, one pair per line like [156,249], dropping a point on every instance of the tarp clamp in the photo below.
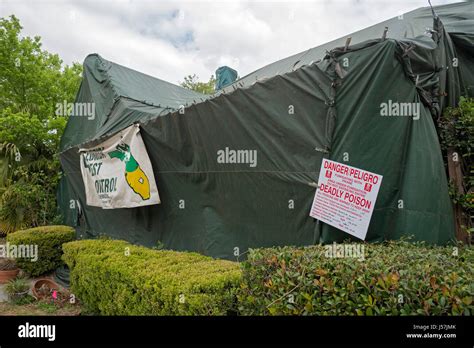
[329,102]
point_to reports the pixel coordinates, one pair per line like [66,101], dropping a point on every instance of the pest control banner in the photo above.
[345,197]
[118,172]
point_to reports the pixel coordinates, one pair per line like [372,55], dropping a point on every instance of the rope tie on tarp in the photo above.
[432,10]
[331,99]
[407,49]
[341,73]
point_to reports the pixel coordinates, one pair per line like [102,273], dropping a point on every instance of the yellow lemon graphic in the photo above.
[134,175]
[139,183]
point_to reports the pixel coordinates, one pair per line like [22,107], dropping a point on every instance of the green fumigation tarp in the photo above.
[322,103]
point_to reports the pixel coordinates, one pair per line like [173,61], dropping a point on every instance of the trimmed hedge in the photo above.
[395,278]
[49,240]
[113,277]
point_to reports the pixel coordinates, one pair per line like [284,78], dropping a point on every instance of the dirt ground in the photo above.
[38,308]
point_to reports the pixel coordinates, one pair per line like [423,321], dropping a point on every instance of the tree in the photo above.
[192,82]
[457,142]
[32,82]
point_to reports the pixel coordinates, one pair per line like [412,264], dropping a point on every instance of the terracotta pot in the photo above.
[39,283]
[6,276]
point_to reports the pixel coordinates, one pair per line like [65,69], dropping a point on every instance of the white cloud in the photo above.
[172,39]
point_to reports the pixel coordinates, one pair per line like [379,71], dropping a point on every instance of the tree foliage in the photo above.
[457,133]
[32,82]
[192,82]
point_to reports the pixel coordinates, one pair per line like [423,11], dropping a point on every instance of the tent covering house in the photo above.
[334,92]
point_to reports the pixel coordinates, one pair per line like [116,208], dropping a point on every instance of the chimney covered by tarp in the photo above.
[225,76]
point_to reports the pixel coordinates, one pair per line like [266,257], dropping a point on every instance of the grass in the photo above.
[38,308]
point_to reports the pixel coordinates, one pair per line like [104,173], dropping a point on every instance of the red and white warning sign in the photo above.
[345,197]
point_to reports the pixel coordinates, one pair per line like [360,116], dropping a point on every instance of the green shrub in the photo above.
[116,278]
[49,240]
[395,278]
[28,202]
[17,289]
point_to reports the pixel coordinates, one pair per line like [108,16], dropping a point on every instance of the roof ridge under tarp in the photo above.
[408,25]
[107,85]
[106,82]
[136,85]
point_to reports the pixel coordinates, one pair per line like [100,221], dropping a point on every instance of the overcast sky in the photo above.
[171,39]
